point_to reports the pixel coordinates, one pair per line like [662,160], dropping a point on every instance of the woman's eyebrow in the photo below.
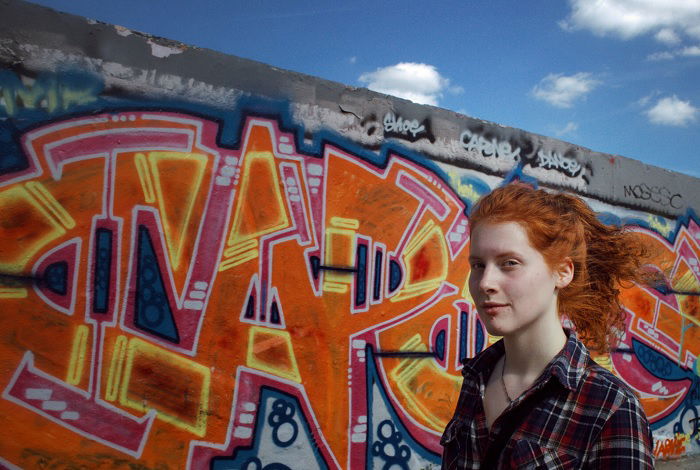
[504,254]
[509,253]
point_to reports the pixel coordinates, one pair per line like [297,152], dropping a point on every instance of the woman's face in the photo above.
[511,284]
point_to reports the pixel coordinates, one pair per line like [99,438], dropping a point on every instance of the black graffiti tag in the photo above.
[658,194]
[473,141]
[554,160]
[411,129]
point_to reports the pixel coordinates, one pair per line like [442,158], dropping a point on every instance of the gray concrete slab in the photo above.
[691,463]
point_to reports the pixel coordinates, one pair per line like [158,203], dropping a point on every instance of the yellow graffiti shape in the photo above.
[341,222]
[339,252]
[467,191]
[260,208]
[13,293]
[26,226]
[115,368]
[77,356]
[660,225]
[426,260]
[43,195]
[425,387]
[177,180]
[603,360]
[176,387]
[686,282]
[271,350]
[239,254]
[145,177]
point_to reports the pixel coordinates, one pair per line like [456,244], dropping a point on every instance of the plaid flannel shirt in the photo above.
[591,420]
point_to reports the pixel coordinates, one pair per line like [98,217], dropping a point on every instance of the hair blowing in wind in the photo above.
[560,226]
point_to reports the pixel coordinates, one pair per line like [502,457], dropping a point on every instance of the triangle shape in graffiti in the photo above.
[152,312]
[177,180]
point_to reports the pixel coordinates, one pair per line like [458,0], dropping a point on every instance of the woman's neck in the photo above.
[528,352]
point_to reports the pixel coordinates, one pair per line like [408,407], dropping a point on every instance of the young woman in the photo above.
[536,399]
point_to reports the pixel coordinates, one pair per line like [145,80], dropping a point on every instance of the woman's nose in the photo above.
[488,281]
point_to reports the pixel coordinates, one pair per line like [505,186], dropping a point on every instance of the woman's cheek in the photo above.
[529,285]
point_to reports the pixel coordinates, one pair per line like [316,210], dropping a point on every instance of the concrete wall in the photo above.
[208,262]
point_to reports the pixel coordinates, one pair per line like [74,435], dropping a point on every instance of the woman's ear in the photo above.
[564,273]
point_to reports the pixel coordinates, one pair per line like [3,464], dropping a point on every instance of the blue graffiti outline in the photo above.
[372,379]
[244,455]
[230,122]
[677,373]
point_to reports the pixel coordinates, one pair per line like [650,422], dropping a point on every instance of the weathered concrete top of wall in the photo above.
[37,39]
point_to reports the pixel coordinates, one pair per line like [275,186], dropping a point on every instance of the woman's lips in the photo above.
[492,308]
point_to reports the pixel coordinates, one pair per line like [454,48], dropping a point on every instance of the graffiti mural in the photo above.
[175,299]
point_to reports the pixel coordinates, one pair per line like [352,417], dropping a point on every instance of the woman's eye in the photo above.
[510,263]
[477,265]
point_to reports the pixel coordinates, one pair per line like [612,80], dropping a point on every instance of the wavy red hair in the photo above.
[560,226]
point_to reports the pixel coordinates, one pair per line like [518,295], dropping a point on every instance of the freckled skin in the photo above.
[510,282]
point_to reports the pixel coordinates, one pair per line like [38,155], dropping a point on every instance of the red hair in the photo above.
[561,226]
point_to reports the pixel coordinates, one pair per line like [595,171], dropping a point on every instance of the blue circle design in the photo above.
[282,415]
[389,448]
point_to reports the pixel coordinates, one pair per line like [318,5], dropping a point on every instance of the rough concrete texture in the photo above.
[208,262]
[688,463]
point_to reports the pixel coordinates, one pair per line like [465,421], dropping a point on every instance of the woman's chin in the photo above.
[493,328]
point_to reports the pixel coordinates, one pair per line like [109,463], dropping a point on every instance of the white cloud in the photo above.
[630,18]
[568,129]
[688,51]
[642,102]
[667,36]
[421,83]
[663,55]
[562,90]
[672,111]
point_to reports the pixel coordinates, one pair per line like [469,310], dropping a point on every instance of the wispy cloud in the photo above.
[562,90]
[569,128]
[666,19]
[672,111]
[688,51]
[645,100]
[421,83]
[667,36]
[691,51]
[353,60]
[662,55]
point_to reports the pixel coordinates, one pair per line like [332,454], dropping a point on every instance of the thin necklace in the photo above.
[503,382]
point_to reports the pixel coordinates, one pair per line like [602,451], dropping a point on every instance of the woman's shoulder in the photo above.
[593,382]
[603,385]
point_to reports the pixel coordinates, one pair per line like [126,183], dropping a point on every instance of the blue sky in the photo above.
[615,76]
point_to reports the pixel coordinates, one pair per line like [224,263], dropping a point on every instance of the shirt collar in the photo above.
[568,366]
[483,363]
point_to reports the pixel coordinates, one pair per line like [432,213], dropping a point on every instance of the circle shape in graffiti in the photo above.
[254,463]
[284,429]
[153,316]
[389,448]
